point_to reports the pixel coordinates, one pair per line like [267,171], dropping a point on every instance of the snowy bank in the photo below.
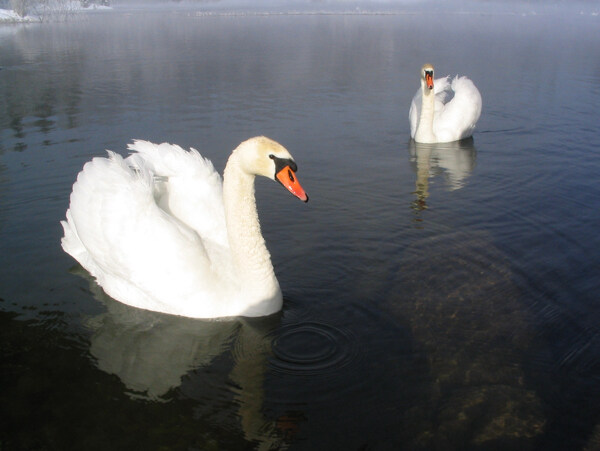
[43,11]
[9,16]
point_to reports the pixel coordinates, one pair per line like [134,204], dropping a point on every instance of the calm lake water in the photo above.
[436,297]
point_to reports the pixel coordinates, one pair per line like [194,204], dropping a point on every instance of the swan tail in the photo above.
[70,241]
[85,227]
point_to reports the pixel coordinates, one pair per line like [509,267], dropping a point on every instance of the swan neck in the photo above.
[249,251]
[424,131]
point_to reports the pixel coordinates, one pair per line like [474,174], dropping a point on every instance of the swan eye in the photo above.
[272,157]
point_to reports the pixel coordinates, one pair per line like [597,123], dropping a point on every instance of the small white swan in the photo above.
[444,111]
[160,231]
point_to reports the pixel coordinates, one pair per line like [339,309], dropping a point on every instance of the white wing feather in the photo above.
[115,228]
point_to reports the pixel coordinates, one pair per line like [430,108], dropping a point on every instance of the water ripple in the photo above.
[312,348]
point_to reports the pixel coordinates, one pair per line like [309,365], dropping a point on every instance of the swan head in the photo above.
[427,76]
[266,157]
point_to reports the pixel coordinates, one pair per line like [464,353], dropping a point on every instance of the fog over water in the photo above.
[376,6]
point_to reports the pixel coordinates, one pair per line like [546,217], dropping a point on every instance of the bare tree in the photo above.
[19,6]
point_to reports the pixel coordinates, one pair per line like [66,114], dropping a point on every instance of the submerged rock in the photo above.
[457,294]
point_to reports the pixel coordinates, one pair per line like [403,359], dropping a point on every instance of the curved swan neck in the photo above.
[248,248]
[424,133]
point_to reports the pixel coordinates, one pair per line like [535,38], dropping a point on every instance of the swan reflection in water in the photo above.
[454,160]
[153,354]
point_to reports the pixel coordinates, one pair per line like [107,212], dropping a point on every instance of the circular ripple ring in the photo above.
[312,348]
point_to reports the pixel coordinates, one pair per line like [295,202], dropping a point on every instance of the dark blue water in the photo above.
[436,297]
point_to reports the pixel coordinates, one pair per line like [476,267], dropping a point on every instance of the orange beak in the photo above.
[287,178]
[429,79]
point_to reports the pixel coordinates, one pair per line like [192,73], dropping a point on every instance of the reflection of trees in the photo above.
[3,185]
[36,99]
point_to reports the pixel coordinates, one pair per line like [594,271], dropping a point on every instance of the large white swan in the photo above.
[159,230]
[445,110]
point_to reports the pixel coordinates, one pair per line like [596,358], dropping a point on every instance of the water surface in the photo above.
[436,296]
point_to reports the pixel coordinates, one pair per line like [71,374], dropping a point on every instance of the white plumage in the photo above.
[443,110]
[160,231]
